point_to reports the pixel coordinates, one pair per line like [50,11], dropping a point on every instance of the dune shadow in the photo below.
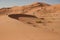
[17,16]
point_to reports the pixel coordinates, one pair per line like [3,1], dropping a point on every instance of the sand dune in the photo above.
[15,30]
[38,21]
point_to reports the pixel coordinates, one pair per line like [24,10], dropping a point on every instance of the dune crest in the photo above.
[37,21]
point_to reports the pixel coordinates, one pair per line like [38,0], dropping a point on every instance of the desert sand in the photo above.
[37,21]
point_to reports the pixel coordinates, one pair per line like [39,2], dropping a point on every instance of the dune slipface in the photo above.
[38,21]
[15,30]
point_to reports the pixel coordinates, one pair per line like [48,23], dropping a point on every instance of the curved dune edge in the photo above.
[16,16]
[15,30]
[22,29]
[50,23]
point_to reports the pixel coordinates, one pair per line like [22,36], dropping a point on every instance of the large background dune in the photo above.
[38,21]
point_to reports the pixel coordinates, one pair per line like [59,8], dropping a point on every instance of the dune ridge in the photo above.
[37,21]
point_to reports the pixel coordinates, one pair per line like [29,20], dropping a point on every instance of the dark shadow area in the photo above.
[16,16]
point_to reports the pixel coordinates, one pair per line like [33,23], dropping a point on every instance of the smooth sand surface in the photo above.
[11,29]
[40,22]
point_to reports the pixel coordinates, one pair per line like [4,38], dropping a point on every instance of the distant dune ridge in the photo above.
[37,21]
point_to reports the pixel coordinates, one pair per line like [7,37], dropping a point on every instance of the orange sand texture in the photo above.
[38,21]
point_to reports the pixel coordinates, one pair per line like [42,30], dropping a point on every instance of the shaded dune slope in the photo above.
[38,21]
[16,16]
